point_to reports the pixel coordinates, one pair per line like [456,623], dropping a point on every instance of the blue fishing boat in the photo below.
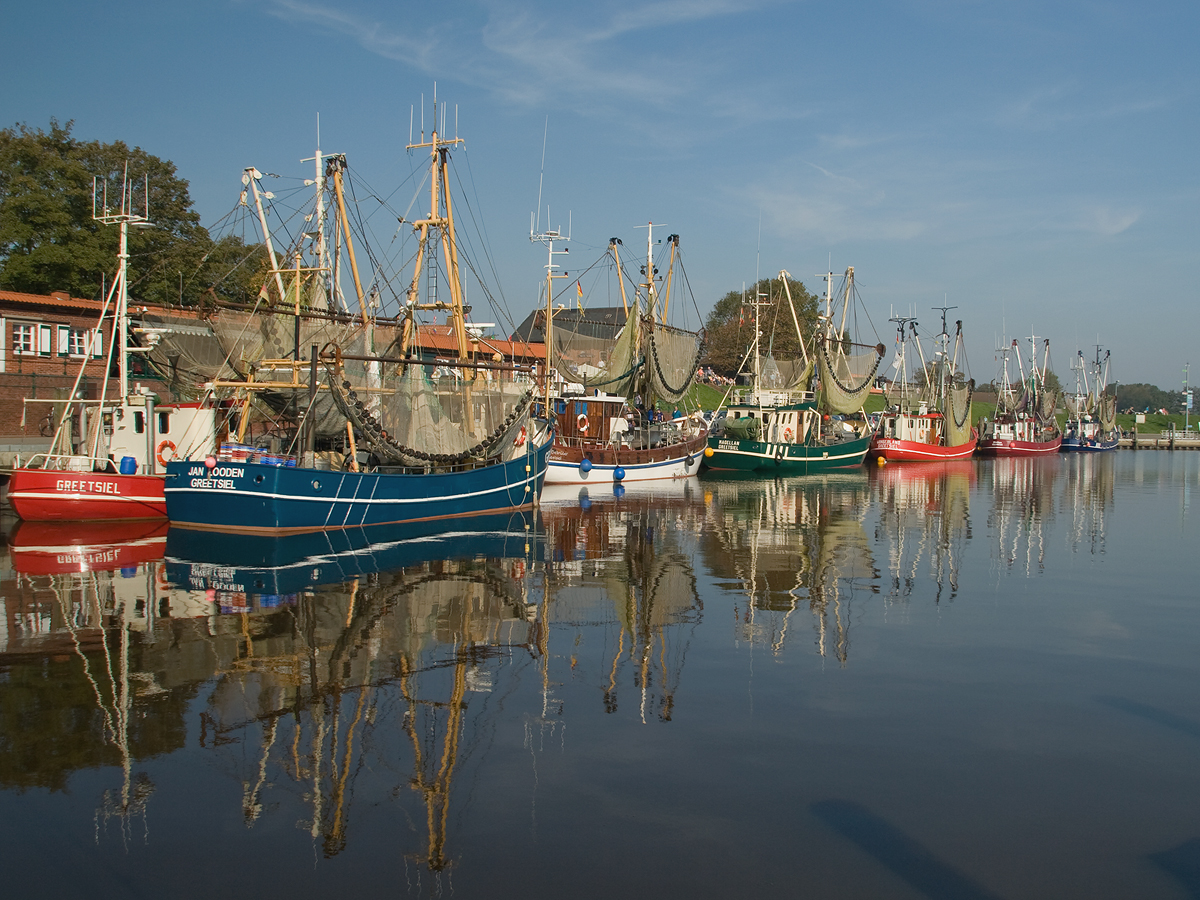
[1092,409]
[434,428]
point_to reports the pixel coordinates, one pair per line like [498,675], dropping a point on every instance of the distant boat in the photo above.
[609,428]
[929,419]
[1092,409]
[427,439]
[781,425]
[1023,425]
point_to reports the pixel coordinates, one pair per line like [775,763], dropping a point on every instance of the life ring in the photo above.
[581,420]
[787,435]
[519,440]
[165,445]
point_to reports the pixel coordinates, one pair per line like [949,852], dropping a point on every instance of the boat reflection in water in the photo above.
[789,544]
[1022,509]
[621,560]
[1088,489]
[340,629]
[85,592]
[924,518]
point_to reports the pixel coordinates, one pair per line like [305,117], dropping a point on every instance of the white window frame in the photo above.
[25,344]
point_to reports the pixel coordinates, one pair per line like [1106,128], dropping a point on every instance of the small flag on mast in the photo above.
[579,292]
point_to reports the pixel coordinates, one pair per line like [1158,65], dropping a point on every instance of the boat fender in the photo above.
[162,456]
[519,440]
[585,466]
[708,452]
[688,461]
[582,421]
[778,455]
[618,473]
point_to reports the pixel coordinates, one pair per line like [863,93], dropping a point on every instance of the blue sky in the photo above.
[1033,164]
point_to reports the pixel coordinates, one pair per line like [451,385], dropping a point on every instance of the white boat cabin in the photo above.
[921,427]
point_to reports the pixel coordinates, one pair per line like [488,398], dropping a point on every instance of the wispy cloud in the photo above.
[1067,103]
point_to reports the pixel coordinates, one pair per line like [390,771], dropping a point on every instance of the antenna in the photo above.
[541,175]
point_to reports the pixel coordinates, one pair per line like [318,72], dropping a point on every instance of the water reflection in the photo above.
[1088,490]
[925,520]
[789,544]
[622,561]
[1022,491]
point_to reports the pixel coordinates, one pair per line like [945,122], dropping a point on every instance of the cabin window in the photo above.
[581,407]
[139,422]
[164,423]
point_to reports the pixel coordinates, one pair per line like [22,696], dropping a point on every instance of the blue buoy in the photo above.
[585,466]
[618,473]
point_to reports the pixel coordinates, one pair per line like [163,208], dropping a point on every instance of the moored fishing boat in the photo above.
[116,470]
[1024,425]
[426,438]
[608,428]
[930,420]
[793,430]
[1092,409]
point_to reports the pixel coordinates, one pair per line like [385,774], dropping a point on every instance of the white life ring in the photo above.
[165,445]
[581,421]
[519,440]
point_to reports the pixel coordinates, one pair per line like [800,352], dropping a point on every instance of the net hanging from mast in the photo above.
[847,379]
[672,357]
[958,413]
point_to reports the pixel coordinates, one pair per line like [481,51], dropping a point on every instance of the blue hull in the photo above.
[1075,445]
[268,567]
[252,498]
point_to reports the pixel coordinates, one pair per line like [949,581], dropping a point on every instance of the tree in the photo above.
[730,325]
[50,242]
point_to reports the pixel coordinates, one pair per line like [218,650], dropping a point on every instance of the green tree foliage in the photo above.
[50,242]
[1140,397]
[730,325]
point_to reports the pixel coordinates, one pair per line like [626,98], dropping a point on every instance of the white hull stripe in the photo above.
[352,501]
[107,498]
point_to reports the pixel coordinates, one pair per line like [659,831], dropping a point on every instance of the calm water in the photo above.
[974,680]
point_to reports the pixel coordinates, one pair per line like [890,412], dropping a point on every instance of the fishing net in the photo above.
[958,413]
[419,420]
[1107,412]
[595,354]
[846,379]
[672,357]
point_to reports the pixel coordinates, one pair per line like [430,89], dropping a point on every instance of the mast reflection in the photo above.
[1088,489]
[788,543]
[924,515]
[623,559]
[1022,509]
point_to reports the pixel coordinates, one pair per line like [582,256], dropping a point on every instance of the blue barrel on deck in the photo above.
[128,465]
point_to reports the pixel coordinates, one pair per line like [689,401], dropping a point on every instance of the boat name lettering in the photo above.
[220,484]
[95,487]
[218,472]
[729,445]
[100,556]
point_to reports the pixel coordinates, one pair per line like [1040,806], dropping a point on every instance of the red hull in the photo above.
[48,495]
[1004,447]
[56,548]
[914,451]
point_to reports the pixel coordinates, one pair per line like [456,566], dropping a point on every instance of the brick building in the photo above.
[43,342]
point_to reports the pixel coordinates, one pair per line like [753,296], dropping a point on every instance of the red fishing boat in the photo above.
[116,471]
[1025,425]
[930,420]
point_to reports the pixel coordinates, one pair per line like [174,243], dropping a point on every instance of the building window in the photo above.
[25,338]
[77,342]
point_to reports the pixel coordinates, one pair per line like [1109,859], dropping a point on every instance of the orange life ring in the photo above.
[581,420]
[787,435]
[165,445]
[519,440]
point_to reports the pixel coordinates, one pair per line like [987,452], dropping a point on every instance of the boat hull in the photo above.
[252,498]
[894,450]
[57,548]
[1089,445]
[784,459]
[1008,447]
[54,495]
[680,460]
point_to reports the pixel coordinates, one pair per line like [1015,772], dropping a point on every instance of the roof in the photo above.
[435,338]
[57,300]
[603,322]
